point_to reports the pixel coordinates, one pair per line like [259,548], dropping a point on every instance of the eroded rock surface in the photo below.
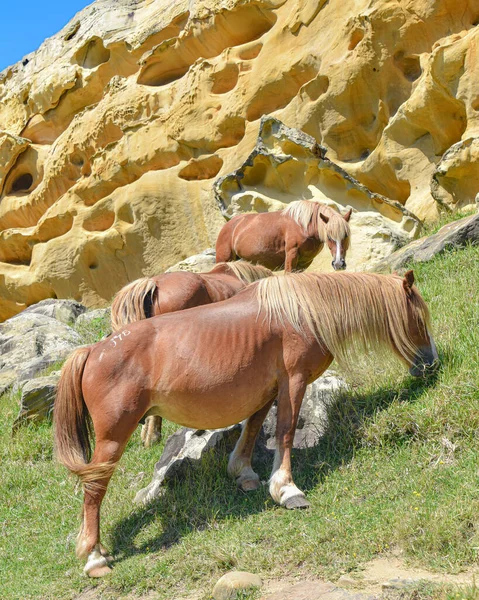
[38,397]
[113,132]
[36,339]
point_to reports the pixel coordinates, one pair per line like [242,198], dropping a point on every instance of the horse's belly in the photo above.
[215,408]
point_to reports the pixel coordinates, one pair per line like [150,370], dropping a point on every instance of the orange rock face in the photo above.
[113,132]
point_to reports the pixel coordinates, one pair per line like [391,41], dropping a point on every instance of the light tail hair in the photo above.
[349,314]
[73,428]
[129,303]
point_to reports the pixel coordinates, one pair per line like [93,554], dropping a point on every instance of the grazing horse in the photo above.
[290,238]
[151,296]
[215,365]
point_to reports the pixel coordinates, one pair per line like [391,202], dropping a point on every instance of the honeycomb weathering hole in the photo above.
[202,169]
[22,183]
[92,54]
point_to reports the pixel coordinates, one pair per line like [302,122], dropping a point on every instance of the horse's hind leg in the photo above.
[108,450]
[224,244]
[239,464]
[151,431]
[281,484]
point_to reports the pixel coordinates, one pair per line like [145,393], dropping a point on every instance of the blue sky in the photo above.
[24,24]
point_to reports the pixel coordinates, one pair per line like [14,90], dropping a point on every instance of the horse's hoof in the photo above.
[99,571]
[249,485]
[296,502]
[98,564]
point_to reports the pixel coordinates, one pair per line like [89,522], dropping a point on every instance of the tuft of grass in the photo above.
[94,330]
[396,469]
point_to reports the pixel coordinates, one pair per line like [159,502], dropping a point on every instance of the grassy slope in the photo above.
[398,469]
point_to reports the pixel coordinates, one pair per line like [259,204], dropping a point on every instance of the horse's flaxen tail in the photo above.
[129,303]
[73,425]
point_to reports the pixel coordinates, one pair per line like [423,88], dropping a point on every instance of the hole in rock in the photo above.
[22,183]
[201,169]
[93,265]
[92,54]
[250,51]
[225,80]
[77,160]
[171,61]
[72,31]
[278,94]
[409,65]
[356,36]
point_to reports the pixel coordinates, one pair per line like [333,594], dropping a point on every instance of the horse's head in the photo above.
[426,358]
[338,232]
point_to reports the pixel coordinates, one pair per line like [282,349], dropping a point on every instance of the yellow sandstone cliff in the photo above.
[113,133]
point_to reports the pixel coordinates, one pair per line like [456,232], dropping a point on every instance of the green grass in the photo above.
[445,218]
[94,330]
[396,470]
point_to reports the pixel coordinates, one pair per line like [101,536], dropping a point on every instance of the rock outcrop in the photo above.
[453,235]
[30,343]
[112,133]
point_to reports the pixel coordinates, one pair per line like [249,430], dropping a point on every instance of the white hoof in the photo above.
[97,565]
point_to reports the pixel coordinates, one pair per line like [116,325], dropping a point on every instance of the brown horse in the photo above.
[289,238]
[215,365]
[151,296]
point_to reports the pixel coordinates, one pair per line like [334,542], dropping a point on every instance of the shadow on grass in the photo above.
[205,495]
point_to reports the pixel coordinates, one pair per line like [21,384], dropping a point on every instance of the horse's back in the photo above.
[178,291]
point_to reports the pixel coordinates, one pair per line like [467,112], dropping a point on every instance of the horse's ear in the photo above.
[408,281]
[324,218]
[347,216]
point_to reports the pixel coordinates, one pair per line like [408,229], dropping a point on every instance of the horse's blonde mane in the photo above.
[336,228]
[348,313]
[247,272]
[303,212]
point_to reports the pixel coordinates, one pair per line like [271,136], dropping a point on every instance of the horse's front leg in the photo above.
[281,484]
[239,464]
[151,431]
[291,259]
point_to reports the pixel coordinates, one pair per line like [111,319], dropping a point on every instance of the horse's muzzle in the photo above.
[339,265]
[424,364]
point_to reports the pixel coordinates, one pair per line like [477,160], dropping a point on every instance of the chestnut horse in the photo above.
[151,296]
[290,238]
[215,365]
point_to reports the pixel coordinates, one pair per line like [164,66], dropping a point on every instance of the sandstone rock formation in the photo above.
[112,133]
